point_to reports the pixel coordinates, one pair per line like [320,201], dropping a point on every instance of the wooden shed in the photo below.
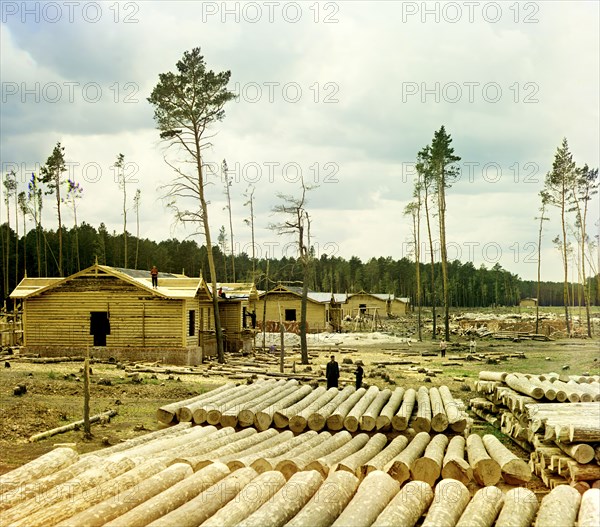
[528,302]
[117,313]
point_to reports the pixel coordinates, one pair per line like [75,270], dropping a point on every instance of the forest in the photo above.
[469,286]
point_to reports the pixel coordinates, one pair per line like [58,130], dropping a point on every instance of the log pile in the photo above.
[554,417]
[286,403]
[192,475]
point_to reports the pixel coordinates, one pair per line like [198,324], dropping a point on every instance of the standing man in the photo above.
[154,275]
[332,372]
[443,346]
[359,375]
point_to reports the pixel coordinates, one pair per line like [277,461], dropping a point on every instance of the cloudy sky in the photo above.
[343,94]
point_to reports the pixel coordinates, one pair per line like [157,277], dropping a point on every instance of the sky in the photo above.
[340,94]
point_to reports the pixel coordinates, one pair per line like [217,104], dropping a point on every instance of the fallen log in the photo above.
[213,415]
[399,466]
[281,508]
[324,464]
[579,472]
[559,507]
[247,414]
[519,508]
[581,452]
[264,418]
[298,422]
[454,465]
[103,417]
[328,502]
[273,446]
[352,420]
[450,500]
[521,384]
[429,467]
[589,510]
[378,462]
[171,413]
[384,420]
[368,419]
[457,419]
[199,410]
[422,421]
[281,417]
[499,376]
[172,498]
[355,461]
[318,419]
[483,509]
[363,510]
[263,464]
[230,413]
[407,507]
[439,419]
[400,420]
[486,471]
[336,420]
[513,469]
[204,505]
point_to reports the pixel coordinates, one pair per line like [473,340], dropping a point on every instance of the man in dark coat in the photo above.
[332,373]
[359,375]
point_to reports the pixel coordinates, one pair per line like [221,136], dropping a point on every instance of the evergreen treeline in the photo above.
[469,286]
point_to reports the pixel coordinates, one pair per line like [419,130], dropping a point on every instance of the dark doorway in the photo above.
[99,327]
[290,315]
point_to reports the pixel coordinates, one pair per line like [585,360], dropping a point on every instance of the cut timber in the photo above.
[520,506]
[178,411]
[483,509]
[171,498]
[388,453]
[429,467]
[317,420]
[579,472]
[288,501]
[104,416]
[400,420]
[324,464]
[399,467]
[559,507]
[262,464]
[589,510]
[298,422]
[295,464]
[328,502]
[454,465]
[422,421]
[208,502]
[439,419]
[580,452]
[521,384]
[407,507]
[264,418]
[486,471]
[384,420]
[44,465]
[352,420]
[200,409]
[514,470]
[450,500]
[368,419]
[112,507]
[373,447]
[499,376]
[213,416]
[363,510]
[336,420]
[282,417]
[229,414]
[271,447]
[248,413]
[250,498]
[282,448]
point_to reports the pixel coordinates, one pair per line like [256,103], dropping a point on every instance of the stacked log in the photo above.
[561,436]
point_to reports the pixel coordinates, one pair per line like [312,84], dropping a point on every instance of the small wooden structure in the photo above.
[365,304]
[528,302]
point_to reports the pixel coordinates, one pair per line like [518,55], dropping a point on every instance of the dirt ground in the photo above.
[54,394]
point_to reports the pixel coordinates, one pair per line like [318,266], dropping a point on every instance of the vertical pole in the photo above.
[87,431]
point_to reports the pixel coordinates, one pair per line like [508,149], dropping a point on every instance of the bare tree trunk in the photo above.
[565,266]
[444,255]
[426,200]
[87,429]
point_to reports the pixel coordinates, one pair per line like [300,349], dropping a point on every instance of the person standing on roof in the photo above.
[154,275]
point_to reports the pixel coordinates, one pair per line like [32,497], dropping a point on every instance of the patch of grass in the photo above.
[52,375]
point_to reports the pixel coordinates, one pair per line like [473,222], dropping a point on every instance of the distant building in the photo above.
[528,302]
[375,303]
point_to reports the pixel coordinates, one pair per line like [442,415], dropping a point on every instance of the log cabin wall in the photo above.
[290,303]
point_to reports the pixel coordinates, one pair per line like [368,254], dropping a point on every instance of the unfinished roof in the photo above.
[236,290]
[28,286]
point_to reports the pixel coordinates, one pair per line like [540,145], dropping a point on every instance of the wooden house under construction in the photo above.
[117,313]
[375,304]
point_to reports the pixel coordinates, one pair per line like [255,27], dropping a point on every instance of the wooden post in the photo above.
[87,428]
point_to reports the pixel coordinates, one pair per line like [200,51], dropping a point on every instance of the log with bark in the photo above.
[336,420]
[439,419]
[486,471]
[483,509]
[450,500]
[368,419]
[399,466]
[372,496]
[514,470]
[378,462]
[422,421]
[559,507]
[264,418]
[454,465]
[328,502]
[352,420]
[198,509]
[429,467]
[287,502]
[103,417]
[519,508]
[589,509]
[384,419]
[326,463]
[318,419]
[400,420]
[407,507]
[172,498]
[354,462]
